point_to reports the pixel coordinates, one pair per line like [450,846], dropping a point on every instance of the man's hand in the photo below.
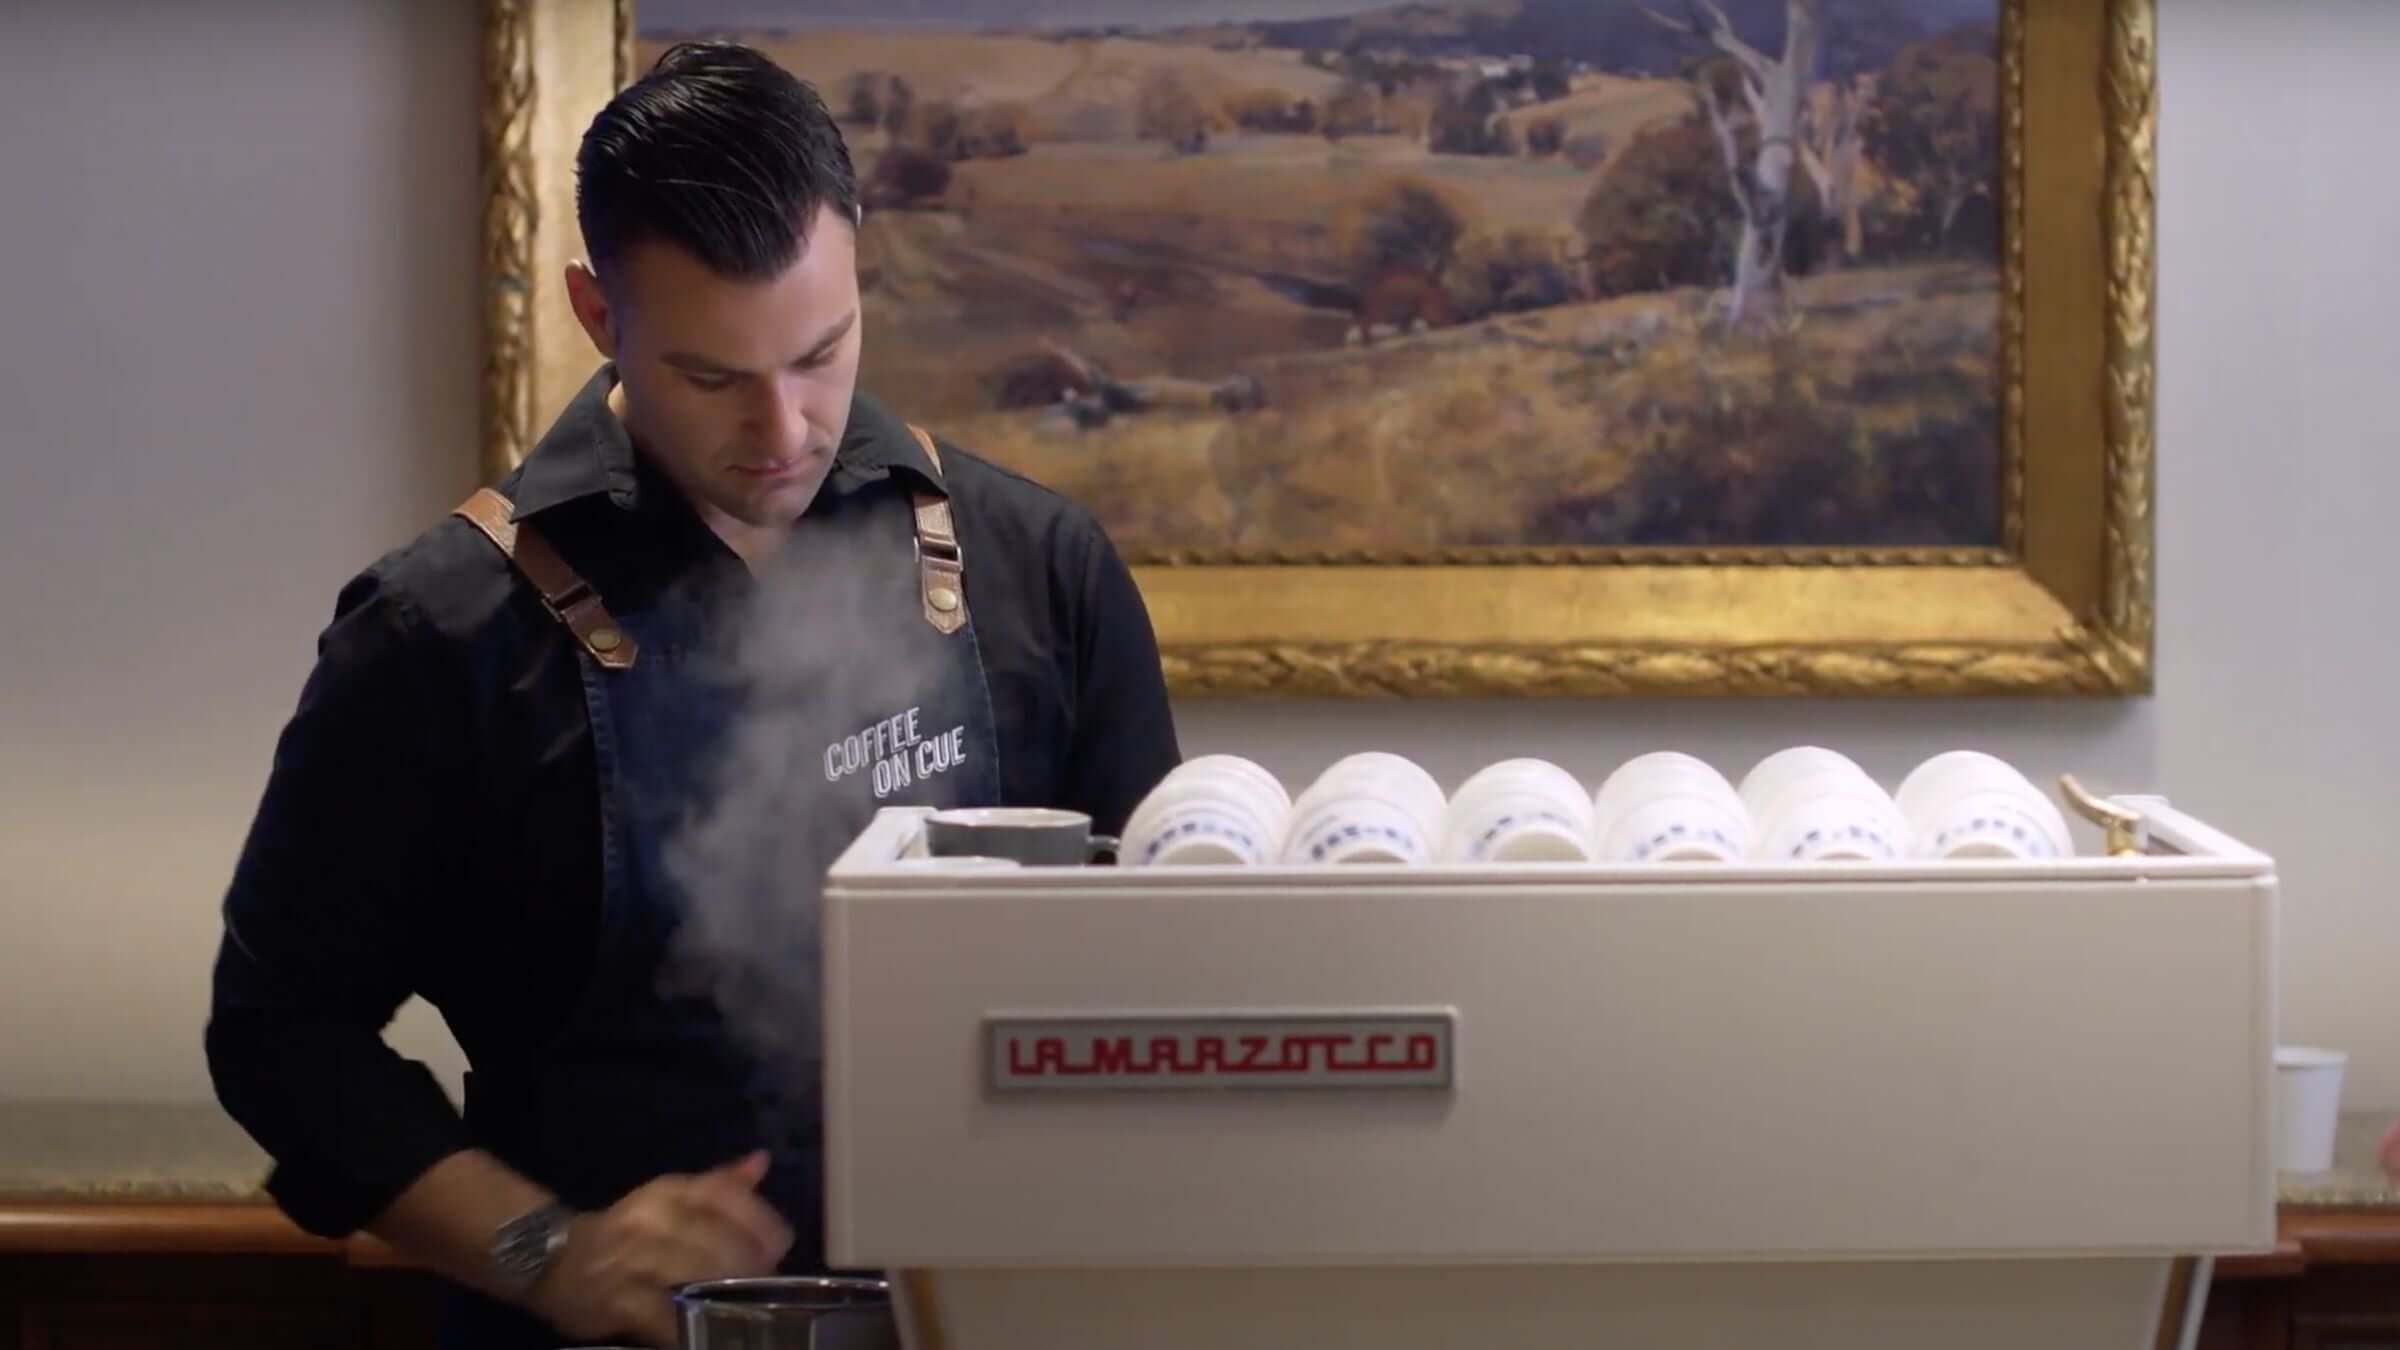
[613,1276]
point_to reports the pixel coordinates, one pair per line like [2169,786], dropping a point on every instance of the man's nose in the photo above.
[781,416]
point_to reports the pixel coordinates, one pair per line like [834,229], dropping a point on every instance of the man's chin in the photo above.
[777,505]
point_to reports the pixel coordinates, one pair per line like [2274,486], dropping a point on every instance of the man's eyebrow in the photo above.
[833,333]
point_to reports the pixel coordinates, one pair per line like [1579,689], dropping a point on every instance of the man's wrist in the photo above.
[525,1248]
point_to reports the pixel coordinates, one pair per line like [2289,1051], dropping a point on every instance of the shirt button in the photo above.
[942,598]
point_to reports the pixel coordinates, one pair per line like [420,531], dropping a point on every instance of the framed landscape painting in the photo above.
[1484,346]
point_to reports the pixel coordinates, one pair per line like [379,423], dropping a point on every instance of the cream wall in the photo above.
[236,362]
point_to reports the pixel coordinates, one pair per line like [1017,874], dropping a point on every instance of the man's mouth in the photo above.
[770,470]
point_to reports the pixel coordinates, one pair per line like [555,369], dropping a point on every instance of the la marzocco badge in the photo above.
[1221,1051]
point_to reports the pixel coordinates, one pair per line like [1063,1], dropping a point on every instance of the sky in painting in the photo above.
[683,16]
[686,15]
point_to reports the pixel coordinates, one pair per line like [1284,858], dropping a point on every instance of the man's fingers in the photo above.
[733,1191]
[748,1170]
[742,1217]
[707,1244]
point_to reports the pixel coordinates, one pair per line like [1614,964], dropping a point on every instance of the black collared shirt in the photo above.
[430,825]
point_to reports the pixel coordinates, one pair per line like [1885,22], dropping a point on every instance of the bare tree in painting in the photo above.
[1770,93]
[1833,133]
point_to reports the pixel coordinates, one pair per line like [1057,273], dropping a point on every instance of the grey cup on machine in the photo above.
[786,1313]
[1033,836]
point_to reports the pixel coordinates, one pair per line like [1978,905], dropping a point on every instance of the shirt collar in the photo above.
[874,444]
[587,453]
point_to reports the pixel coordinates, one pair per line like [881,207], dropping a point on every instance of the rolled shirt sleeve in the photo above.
[333,905]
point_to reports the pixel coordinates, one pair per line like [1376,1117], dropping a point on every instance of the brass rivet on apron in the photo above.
[606,640]
[942,598]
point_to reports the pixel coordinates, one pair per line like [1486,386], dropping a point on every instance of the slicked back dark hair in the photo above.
[719,151]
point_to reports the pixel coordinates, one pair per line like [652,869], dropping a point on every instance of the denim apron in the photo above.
[643,1080]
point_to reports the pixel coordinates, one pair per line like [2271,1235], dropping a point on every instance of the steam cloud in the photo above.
[816,653]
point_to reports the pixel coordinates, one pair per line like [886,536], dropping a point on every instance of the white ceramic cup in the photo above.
[1661,773]
[1674,828]
[1207,782]
[1764,787]
[1199,833]
[1353,822]
[1518,810]
[1950,774]
[1833,817]
[1214,810]
[1967,804]
[1990,825]
[1631,824]
[1244,770]
[1395,778]
[1519,826]
[1539,777]
[2308,1106]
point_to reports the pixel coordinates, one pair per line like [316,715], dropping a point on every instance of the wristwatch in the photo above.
[525,1246]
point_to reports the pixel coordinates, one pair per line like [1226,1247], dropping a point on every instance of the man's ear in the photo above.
[589,299]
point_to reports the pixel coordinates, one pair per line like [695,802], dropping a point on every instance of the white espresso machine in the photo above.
[1955,1105]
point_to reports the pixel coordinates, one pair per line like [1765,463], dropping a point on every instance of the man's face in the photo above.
[738,391]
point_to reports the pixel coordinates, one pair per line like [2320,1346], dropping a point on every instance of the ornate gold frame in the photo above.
[2065,606]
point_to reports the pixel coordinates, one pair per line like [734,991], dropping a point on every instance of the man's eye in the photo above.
[710,384]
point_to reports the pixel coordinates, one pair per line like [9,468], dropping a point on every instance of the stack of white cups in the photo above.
[1966,804]
[1811,804]
[1219,809]
[1669,807]
[1366,808]
[1804,804]
[1519,810]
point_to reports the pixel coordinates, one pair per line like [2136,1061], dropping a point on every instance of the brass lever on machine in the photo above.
[2123,825]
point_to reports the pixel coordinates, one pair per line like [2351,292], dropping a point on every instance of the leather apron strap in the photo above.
[566,594]
[941,565]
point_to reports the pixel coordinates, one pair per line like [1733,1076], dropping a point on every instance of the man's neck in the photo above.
[753,544]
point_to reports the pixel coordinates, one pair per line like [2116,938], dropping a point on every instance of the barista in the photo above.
[476,797]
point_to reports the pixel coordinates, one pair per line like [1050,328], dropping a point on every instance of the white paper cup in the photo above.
[1676,829]
[1764,787]
[1339,824]
[2308,1106]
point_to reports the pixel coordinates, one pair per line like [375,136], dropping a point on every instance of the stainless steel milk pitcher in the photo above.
[786,1313]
